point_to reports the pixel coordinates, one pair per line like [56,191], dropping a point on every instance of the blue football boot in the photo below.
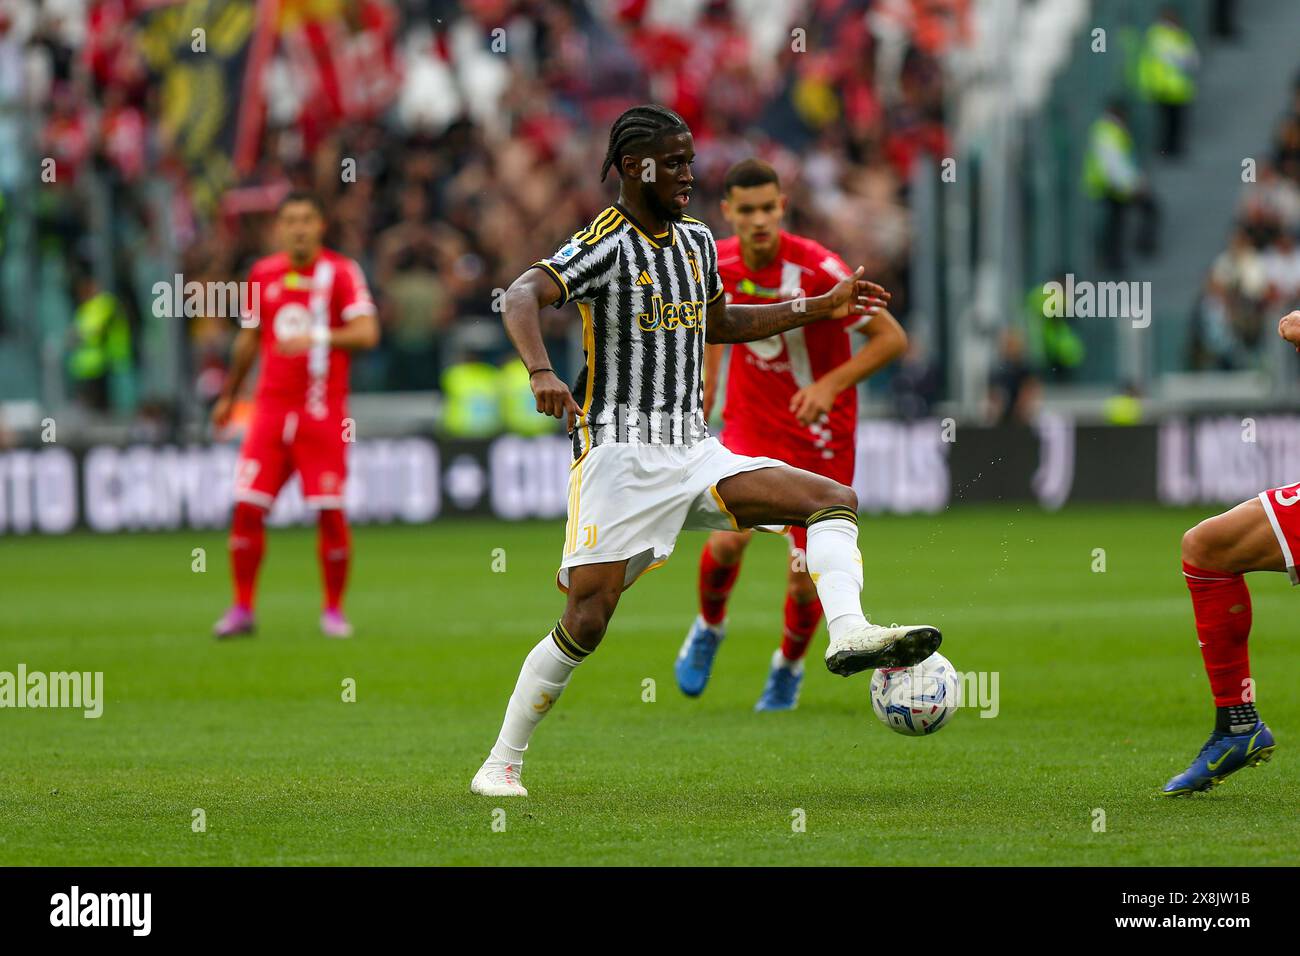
[1223,754]
[695,660]
[782,689]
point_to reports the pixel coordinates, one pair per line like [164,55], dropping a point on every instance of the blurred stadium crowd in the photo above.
[454,141]
[1257,277]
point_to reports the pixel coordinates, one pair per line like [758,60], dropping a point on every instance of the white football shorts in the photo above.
[630,501]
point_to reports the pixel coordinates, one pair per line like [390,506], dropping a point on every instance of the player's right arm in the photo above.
[1289,328]
[241,360]
[575,271]
[524,301]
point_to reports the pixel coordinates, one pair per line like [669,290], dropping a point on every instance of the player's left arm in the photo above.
[748,323]
[886,341]
[359,333]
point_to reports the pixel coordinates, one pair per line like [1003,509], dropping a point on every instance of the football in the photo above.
[917,700]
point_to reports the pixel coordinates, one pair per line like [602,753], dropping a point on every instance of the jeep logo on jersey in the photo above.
[291,321]
[667,316]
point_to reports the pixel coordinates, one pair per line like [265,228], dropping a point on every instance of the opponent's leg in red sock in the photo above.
[801,620]
[803,610]
[247,543]
[1221,604]
[718,575]
[335,551]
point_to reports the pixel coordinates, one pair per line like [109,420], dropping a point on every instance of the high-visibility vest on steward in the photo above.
[1166,65]
[1054,342]
[1110,166]
[103,338]
[471,408]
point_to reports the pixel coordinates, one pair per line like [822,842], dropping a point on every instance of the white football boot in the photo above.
[870,646]
[496,778]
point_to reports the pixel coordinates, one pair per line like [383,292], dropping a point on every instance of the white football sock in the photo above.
[780,660]
[542,679]
[836,568]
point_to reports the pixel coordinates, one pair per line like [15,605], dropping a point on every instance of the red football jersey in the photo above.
[764,375]
[286,303]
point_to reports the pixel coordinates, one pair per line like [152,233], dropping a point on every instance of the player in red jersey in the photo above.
[1262,534]
[792,397]
[305,310]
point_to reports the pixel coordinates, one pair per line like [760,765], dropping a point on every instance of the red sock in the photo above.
[716,582]
[1221,604]
[801,622]
[247,544]
[334,549]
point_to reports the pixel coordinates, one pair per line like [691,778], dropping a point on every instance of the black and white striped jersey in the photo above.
[643,300]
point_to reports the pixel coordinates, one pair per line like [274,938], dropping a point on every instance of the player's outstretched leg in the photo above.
[803,612]
[1216,554]
[719,567]
[828,509]
[247,544]
[334,549]
[836,567]
[594,590]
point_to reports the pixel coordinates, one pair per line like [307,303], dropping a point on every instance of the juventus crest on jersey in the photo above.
[643,300]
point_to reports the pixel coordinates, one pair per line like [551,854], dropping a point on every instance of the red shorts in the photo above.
[283,439]
[839,467]
[835,463]
[1284,516]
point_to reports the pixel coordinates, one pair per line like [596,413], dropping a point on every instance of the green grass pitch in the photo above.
[1102,698]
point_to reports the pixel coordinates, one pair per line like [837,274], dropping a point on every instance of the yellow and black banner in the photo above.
[207,57]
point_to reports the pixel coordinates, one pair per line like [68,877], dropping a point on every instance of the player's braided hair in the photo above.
[639,125]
